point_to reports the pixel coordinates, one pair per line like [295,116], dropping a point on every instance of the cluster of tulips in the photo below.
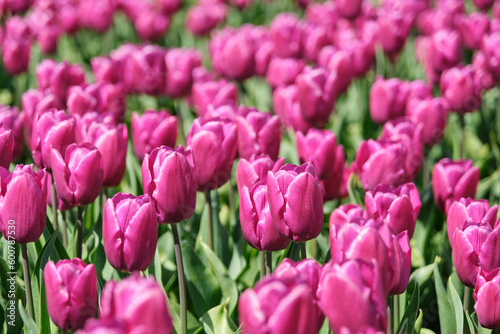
[76,132]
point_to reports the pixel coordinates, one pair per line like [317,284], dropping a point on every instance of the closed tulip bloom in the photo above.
[168,7]
[467,211]
[111,141]
[203,18]
[459,90]
[145,71]
[349,9]
[151,24]
[472,28]
[387,99]
[283,71]
[51,130]
[213,143]
[6,146]
[397,207]
[314,95]
[320,148]
[487,298]
[347,213]
[483,4]
[286,106]
[151,130]
[475,247]
[452,180]
[78,175]
[432,115]
[489,47]
[295,201]
[278,306]
[180,64]
[169,177]
[135,304]
[483,78]
[339,63]
[56,78]
[97,16]
[258,133]
[16,45]
[130,232]
[314,38]
[215,93]
[335,186]
[360,284]
[392,31]
[105,69]
[13,120]
[251,171]
[23,203]
[71,289]
[286,33]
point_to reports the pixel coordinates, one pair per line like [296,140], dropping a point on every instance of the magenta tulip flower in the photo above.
[145,71]
[475,247]
[359,283]
[213,93]
[71,289]
[130,232]
[487,298]
[13,120]
[23,203]
[472,28]
[51,130]
[335,187]
[213,143]
[432,115]
[6,146]
[151,24]
[16,45]
[151,130]
[452,180]
[286,33]
[347,213]
[133,304]
[397,207]
[258,133]
[78,175]
[349,9]
[203,18]
[169,177]
[459,90]
[283,71]
[483,4]
[483,78]
[251,171]
[387,99]
[314,94]
[56,78]
[279,305]
[287,107]
[320,148]
[469,211]
[492,56]
[180,64]
[295,202]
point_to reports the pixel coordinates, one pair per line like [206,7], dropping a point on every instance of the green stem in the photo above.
[180,274]
[462,142]
[262,256]
[27,280]
[210,221]
[395,311]
[65,231]
[231,197]
[498,114]
[425,169]
[303,254]
[79,241]
[54,206]
[269,263]
[466,298]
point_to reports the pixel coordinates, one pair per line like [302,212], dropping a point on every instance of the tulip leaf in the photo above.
[457,304]
[470,323]
[29,324]
[447,317]
[410,315]
[238,261]
[60,249]
[479,328]
[217,321]
[356,192]
[418,321]
[193,325]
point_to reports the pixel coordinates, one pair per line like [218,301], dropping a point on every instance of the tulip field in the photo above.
[249,166]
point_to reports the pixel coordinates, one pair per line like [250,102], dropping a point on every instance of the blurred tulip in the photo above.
[201,19]
[349,9]
[472,28]
[397,207]
[130,232]
[318,147]
[105,69]
[16,45]
[6,146]
[489,47]
[151,25]
[144,71]
[96,15]
[452,180]
[151,130]
[13,120]
[214,143]
[278,305]
[459,90]
[392,30]
[339,62]
[286,33]
[487,298]
[483,4]
[469,211]
[287,107]
[387,99]
[56,78]
[214,93]
[23,203]
[432,115]
[78,175]
[283,71]
[71,292]
[360,284]
[258,133]
[346,213]
[314,95]
[483,78]
[179,66]
[474,247]
[169,177]
[335,186]
[314,38]
[295,202]
[168,7]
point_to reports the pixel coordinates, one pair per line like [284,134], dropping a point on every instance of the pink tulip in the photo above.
[387,99]
[214,93]
[314,95]
[251,171]
[96,15]
[179,66]
[318,147]
[56,78]
[483,4]
[349,9]
[472,28]
[287,107]
[201,19]
[487,298]
[151,130]
[13,120]
[286,33]
[283,71]
[145,70]
[151,25]
[459,90]
[6,146]
[16,45]
[258,133]
[335,186]
[432,115]
[491,55]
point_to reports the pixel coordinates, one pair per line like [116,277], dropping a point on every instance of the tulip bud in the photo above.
[169,177]
[492,56]
[349,9]
[432,115]
[51,130]
[359,283]
[105,69]
[392,31]
[297,189]
[459,90]
[23,203]
[487,298]
[214,143]
[56,78]
[125,248]
[347,213]
[387,99]
[469,211]
[314,95]
[452,180]
[483,78]
[215,93]
[13,120]
[6,146]
[16,45]
[179,66]
[134,304]
[483,5]
[472,28]
[278,305]
[314,38]
[71,292]
[201,19]
[287,108]
[251,171]
[320,148]
[335,186]
[96,15]
[145,70]
[397,207]
[151,130]
[258,133]
[475,247]
[286,33]
[78,176]
[150,24]
[168,7]
[283,71]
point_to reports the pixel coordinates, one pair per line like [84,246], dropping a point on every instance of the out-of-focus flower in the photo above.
[201,19]
[258,133]
[151,130]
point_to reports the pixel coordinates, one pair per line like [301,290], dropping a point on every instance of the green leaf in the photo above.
[470,323]
[29,324]
[356,193]
[155,268]
[418,321]
[447,320]
[457,304]
[410,315]
[217,321]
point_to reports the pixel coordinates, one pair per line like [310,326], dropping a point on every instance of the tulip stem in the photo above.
[180,274]
[303,253]
[466,298]
[262,264]
[79,241]
[498,114]
[395,311]
[269,263]
[210,221]
[231,197]
[54,206]
[462,143]
[27,280]
[64,232]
